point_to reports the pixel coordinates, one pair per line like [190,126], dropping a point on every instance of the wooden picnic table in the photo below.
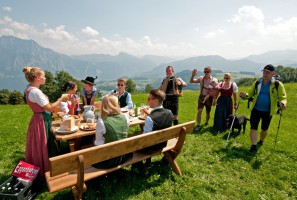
[74,139]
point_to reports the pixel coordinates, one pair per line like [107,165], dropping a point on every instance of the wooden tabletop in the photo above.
[81,133]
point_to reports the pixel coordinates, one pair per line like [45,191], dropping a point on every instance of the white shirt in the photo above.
[36,96]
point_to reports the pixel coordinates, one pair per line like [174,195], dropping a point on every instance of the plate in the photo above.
[142,117]
[66,132]
[124,110]
[83,127]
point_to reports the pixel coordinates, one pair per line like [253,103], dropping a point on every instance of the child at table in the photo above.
[40,142]
[89,91]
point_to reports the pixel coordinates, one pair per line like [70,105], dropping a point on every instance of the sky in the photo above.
[230,28]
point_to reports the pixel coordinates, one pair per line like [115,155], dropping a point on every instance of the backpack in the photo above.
[276,84]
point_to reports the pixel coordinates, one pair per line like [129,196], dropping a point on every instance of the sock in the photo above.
[175,122]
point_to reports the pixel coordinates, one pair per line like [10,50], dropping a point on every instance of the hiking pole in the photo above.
[232,123]
[279,121]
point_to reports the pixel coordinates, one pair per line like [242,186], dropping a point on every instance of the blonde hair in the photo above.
[110,106]
[31,73]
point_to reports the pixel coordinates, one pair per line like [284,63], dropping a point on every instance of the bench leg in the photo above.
[78,195]
[170,157]
[80,187]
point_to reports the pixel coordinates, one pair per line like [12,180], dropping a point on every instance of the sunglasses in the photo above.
[120,84]
[226,78]
[150,98]
[206,71]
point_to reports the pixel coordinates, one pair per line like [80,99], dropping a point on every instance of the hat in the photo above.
[269,68]
[89,80]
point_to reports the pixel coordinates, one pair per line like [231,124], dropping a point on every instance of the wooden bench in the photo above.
[73,169]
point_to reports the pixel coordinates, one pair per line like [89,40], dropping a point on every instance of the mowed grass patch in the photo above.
[210,169]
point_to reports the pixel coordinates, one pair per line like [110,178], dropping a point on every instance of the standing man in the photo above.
[204,88]
[268,95]
[172,86]
[125,99]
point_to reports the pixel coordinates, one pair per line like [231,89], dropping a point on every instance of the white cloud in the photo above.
[213,34]
[7,8]
[89,31]
[251,16]
[59,33]
[5,20]
[20,26]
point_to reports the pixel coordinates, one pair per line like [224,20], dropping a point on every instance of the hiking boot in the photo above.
[206,124]
[197,128]
[253,149]
[260,142]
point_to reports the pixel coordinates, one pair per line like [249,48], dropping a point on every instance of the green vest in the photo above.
[116,128]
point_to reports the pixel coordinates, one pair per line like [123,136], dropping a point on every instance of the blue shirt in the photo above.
[149,124]
[263,101]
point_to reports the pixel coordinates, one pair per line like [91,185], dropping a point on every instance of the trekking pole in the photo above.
[279,121]
[232,123]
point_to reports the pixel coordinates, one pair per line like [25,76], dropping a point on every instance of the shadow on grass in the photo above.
[123,183]
[235,153]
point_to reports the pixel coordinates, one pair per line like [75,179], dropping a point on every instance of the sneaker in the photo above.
[260,142]
[253,149]
[197,128]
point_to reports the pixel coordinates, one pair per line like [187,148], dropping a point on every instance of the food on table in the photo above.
[68,124]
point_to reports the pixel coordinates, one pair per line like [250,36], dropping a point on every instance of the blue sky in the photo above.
[229,28]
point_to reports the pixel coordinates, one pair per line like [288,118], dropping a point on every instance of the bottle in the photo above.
[16,190]
[9,190]
[3,190]
[135,110]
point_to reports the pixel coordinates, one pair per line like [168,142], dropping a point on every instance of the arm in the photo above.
[129,101]
[51,107]
[180,82]
[192,80]
[148,125]
[282,96]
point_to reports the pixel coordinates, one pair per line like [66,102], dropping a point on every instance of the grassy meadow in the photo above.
[210,171]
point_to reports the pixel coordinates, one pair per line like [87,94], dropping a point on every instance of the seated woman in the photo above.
[70,107]
[111,126]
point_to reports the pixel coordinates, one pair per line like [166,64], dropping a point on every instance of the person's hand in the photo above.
[194,72]
[65,97]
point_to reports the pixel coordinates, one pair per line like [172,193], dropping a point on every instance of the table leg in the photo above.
[71,145]
[141,127]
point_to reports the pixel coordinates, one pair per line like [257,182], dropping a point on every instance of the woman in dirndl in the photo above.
[224,107]
[40,142]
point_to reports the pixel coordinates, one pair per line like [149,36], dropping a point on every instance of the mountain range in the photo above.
[16,53]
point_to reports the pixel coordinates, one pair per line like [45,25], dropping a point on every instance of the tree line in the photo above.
[52,87]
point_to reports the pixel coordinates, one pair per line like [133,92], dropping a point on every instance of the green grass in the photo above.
[210,171]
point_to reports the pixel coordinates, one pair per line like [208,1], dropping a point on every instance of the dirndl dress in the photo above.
[40,142]
[224,109]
